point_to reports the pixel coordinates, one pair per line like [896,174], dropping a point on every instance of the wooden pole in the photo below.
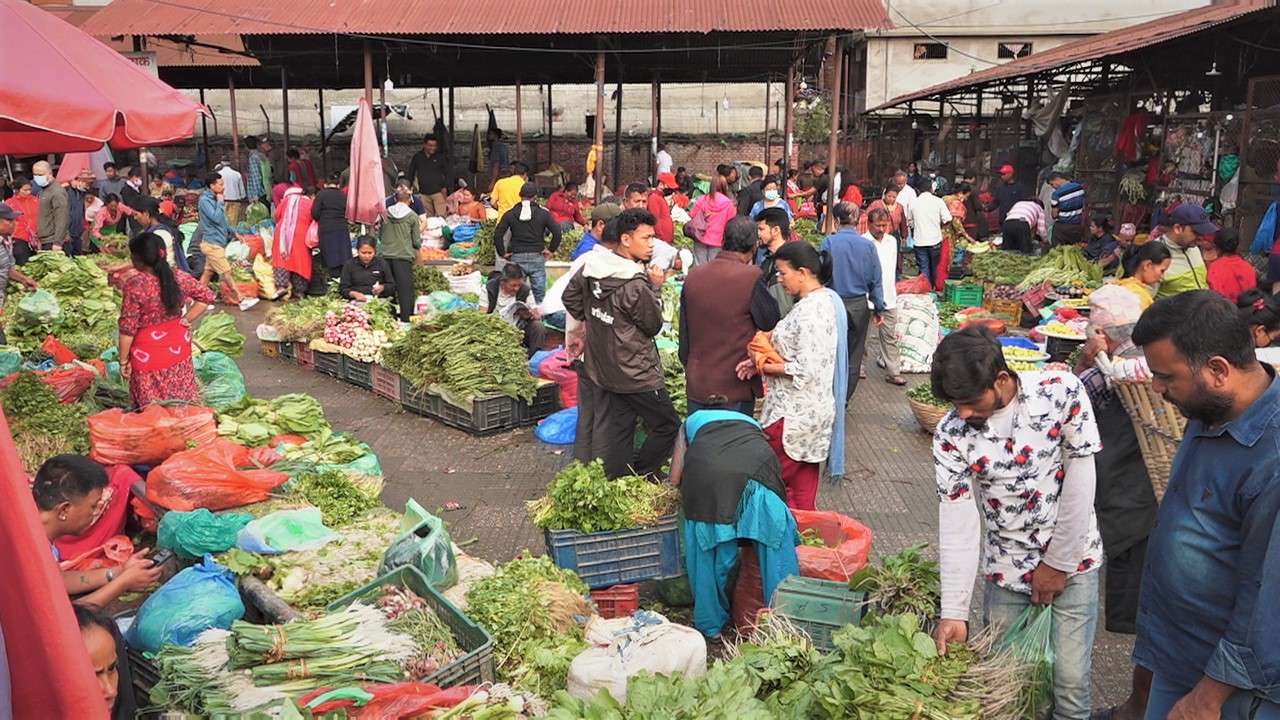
[519,122]
[453,134]
[658,80]
[368,74]
[324,141]
[617,136]
[767,99]
[598,144]
[828,217]
[382,100]
[235,123]
[788,123]
[551,122]
[653,129]
[204,135]
[284,101]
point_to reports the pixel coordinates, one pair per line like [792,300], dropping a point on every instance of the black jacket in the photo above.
[622,312]
[1006,195]
[749,196]
[358,277]
[330,208]
[527,236]
[494,287]
[430,173]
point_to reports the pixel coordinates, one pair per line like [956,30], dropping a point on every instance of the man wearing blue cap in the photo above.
[8,269]
[1187,224]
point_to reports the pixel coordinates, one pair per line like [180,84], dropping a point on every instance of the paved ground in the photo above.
[888,484]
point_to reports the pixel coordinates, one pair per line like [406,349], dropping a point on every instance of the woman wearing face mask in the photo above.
[1144,268]
[105,647]
[1262,312]
[772,198]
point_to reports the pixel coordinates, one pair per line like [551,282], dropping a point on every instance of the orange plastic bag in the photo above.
[246,288]
[211,476]
[149,436]
[761,350]
[115,552]
[60,352]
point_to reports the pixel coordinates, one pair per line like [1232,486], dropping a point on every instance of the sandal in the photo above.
[896,380]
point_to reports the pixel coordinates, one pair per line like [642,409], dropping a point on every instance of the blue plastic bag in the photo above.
[1265,236]
[559,428]
[201,597]
[465,232]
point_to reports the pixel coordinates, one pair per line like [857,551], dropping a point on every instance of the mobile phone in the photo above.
[162,556]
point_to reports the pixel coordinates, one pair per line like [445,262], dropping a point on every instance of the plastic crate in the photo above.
[1060,349]
[473,668]
[546,400]
[617,601]
[485,416]
[288,350]
[270,348]
[358,373]
[819,607]
[305,356]
[330,363]
[415,400]
[1008,310]
[605,559]
[964,294]
[386,383]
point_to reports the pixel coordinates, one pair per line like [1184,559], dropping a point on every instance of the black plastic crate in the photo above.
[485,416]
[415,400]
[330,363]
[545,402]
[287,350]
[358,373]
[473,668]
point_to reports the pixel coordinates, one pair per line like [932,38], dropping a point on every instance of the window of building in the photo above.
[1013,50]
[930,51]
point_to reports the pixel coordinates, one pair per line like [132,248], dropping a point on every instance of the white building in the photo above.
[938,40]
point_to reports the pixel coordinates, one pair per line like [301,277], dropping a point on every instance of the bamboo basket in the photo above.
[1159,427]
[928,416]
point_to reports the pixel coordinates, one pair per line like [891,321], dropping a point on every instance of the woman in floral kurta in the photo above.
[143,310]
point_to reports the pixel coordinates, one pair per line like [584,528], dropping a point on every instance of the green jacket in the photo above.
[398,238]
[1186,272]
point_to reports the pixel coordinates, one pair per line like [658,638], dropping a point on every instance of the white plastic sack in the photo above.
[917,332]
[268,333]
[268,238]
[469,283]
[237,251]
[645,642]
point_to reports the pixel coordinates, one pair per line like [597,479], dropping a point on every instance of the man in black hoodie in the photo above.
[620,303]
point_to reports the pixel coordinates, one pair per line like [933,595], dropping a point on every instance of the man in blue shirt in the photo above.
[1209,618]
[855,276]
[1067,201]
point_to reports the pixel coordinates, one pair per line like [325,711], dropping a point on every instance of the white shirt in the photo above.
[233,184]
[887,249]
[927,213]
[664,161]
[905,197]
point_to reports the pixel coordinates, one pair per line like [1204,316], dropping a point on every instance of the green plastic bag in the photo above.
[1030,640]
[10,362]
[424,543]
[286,531]
[38,308]
[192,534]
[221,382]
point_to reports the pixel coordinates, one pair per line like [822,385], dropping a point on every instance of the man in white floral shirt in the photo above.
[1019,449]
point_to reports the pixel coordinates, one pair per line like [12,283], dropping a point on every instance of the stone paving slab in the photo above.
[888,486]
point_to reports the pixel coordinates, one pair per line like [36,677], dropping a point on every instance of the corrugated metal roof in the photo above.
[1116,42]
[481,17]
[168,53]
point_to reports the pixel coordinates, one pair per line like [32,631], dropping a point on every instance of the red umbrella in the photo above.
[64,91]
[49,670]
[366,192]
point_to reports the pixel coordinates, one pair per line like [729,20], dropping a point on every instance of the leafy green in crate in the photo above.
[581,498]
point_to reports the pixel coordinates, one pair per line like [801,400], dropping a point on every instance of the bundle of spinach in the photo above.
[89,306]
[43,427]
[340,500]
[581,498]
[904,583]
[467,353]
[428,279]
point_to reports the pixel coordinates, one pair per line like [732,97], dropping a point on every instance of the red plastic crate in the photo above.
[386,383]
[617,601]
[270,348]
[305,356]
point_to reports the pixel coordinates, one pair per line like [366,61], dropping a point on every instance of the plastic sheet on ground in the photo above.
[286,531]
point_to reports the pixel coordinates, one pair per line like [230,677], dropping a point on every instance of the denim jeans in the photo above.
[927,259]
[1075,620]
[1240,706]
[535,266]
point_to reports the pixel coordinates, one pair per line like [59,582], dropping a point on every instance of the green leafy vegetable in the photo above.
[924,393]
[217,332]
[581,498]
[904,583]
[340,500]
[467,353]
[428,279]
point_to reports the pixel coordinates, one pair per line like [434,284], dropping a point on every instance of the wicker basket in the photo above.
[927,415]
[1159,427]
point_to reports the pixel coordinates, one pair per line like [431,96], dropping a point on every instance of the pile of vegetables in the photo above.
[1064,265]
[1002,267]
[531,608]
[581,498]
[924,393]
[252,422]
[947,314]
[484,243]
[353,331]
[903,584]
[466,353]
[339,499]
[673,378]
[808,230]
[303,319]
[43,427]
[428,279]
[87,306]
[410,615]
[568,241]
[218,333]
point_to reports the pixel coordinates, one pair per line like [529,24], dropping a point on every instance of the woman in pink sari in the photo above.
[290,252]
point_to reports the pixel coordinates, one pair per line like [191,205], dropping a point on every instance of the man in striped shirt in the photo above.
[1067,201]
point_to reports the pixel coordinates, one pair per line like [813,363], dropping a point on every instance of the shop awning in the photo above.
[1097,47]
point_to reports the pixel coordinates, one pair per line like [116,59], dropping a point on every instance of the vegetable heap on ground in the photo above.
[218,333]
[531,608]
[568,241]
[467,353]
[43,427]
[484,243]
[252,422]
[74,302]
[340,501]
[428,279]
[581,498]
[1064,265]
[1002,267]
[303,319]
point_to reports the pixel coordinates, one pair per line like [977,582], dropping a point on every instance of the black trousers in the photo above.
[402,273]
[859,321]
[534,334]
[587,394]
[1017,236]
[1123,586]
[614,431]
[21,252]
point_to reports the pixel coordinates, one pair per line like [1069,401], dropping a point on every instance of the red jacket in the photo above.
[1231,275]
[664,229]
[563,209]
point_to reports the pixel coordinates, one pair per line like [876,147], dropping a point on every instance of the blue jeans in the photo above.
[746,407]
[927,259]
[1240,706]
[1075,620]
[535,266]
